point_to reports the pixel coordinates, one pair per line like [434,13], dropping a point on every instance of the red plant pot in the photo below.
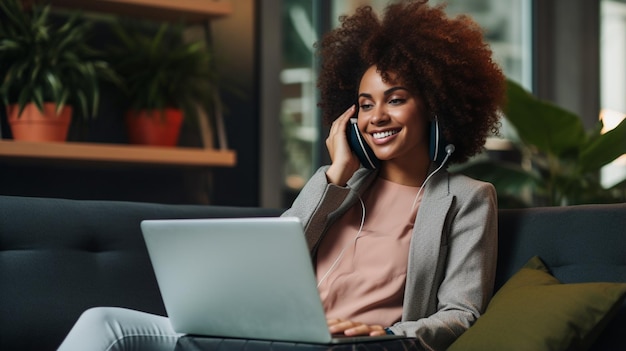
[154,127]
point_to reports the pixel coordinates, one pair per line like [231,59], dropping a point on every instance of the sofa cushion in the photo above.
[535,311]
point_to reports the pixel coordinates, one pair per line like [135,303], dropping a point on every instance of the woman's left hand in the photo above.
[352,328]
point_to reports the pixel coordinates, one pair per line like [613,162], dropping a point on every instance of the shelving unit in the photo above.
[76,153]
[190,10]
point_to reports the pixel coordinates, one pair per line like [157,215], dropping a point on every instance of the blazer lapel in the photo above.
[426,249]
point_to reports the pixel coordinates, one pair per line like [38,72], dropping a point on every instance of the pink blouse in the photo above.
[362,274]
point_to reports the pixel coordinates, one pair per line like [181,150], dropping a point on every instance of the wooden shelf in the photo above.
[189,10]
[70,153]
[73,152]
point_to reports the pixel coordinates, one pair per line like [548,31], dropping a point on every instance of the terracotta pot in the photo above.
[151,127]
[33,125]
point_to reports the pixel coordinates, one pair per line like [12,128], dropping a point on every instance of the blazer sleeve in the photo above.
[316,206]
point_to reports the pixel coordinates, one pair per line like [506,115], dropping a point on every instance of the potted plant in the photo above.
[47,70]
[561,161]
[166,79]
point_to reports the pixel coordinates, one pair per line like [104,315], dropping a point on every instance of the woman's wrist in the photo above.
[336,176]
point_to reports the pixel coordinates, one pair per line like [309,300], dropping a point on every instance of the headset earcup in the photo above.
[437,143]
[361,148]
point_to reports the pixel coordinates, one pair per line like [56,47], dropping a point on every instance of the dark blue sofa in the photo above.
[59,257]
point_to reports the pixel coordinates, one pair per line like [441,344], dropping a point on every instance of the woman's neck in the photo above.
[412,174]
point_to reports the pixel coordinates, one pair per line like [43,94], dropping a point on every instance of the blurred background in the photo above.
[266,125]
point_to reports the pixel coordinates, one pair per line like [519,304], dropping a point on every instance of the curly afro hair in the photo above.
[443,60]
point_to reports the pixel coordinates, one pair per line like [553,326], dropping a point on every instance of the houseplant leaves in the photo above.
[48,61]
[561,161]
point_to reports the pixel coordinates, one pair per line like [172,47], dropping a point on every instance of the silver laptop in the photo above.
[242,278]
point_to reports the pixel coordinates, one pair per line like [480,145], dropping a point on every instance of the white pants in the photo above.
[116,329]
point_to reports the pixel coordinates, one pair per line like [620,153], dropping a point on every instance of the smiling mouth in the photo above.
[385,134]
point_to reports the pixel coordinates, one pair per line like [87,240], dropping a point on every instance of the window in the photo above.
[613,78]
[299,112]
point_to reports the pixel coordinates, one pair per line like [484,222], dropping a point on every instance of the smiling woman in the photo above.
[406,248]
[394,123]
[507,28]
[409,69]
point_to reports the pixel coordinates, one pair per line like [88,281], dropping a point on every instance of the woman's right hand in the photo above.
[344,161]
[351,328]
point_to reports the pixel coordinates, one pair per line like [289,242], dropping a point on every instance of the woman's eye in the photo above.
[396,101]
[365,106]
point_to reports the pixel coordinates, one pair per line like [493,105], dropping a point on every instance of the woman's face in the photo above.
[391,119]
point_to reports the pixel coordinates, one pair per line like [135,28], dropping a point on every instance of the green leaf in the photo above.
[7,44]
[41,17]
[38,98]
[42,61]
[82,103]
[158,38]
[511,181]
[15,13]
[92,88]
[59,109]
[63,99]
[547,127]
[504,176]
[56,87]
[158,68]
[23,99]
[604,149]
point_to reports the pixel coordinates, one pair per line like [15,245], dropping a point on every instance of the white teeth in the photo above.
[384,134]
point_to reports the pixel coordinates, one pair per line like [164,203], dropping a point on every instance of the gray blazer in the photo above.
[452,258]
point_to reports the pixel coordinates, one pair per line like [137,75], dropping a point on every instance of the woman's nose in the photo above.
[379,116]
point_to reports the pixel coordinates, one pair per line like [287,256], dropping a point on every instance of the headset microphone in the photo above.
[450,149]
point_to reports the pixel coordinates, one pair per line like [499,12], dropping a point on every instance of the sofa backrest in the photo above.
[59,257]
[584,243]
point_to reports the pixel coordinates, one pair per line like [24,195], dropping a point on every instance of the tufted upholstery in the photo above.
[59,257]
